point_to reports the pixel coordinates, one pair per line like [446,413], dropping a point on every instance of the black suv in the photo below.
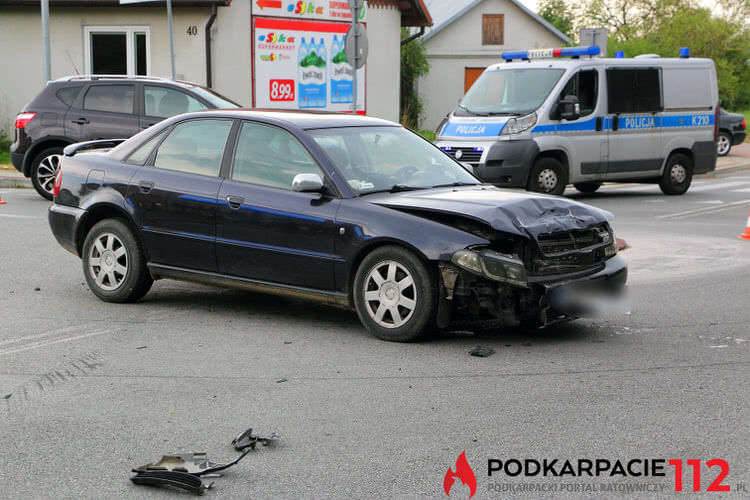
[83,108]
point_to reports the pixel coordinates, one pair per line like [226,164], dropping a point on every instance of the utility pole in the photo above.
[171,37]
[46,66]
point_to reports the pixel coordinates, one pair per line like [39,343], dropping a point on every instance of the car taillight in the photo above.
[58,183]
[743,125]
[22,119]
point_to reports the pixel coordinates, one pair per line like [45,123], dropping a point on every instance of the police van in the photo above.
[546,118]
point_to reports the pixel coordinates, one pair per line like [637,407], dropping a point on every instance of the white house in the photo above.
[468,36]
[238,47]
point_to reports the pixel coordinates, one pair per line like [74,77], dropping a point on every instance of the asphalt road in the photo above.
[89,390]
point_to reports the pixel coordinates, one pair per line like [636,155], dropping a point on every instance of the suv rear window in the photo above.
[111,98]
[68,94]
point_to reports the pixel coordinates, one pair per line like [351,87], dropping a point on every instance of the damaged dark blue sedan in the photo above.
[353,211]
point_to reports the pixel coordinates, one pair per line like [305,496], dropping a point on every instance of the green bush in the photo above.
[4,142]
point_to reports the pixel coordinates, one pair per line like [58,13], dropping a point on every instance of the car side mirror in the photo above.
[570,108]
[307,183]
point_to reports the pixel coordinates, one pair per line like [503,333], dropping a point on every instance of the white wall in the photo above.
[459,46]
[21,47]
[230,52]
[384,62]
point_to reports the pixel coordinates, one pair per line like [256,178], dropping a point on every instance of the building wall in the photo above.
[459,46]
[384,62]
[21,58]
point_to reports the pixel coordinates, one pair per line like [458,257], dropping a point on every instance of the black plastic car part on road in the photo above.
[352,211]
[82,108]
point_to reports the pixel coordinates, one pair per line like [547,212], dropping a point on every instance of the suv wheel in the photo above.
[723,144]
[678,174]
[395,295]
[548,176]
[44,169]
[114,263]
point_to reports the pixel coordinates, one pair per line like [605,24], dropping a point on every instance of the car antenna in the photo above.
[71,62]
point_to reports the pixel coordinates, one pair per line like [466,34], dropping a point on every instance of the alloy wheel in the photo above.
[723,145]
[108,261]
[47,170]
[390,294]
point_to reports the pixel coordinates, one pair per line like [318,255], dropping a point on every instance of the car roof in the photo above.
[306,120]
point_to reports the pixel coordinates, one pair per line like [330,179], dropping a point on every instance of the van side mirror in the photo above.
[307,183]
[570,108]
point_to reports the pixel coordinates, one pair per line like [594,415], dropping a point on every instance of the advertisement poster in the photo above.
[302,65]
[316,10]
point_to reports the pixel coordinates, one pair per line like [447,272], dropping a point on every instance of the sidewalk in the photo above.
[738,160]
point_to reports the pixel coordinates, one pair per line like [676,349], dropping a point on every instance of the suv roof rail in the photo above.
[112,77]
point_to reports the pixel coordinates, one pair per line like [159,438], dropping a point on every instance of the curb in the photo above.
[742,167]
[14,182]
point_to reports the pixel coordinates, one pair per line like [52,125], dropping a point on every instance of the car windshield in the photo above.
[509,91]
[218,101]
[374,159]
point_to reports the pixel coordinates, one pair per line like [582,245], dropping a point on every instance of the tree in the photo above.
[559,15]
[413,65]
[628,19]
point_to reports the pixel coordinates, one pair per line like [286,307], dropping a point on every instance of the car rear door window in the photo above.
[163,102]
[68,95]
[270,156]
[110,98]
[636,90]
[194,146]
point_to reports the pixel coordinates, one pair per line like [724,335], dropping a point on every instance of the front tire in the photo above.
[114,263]
[677,176]
[395,295]
[44,169]
[548,176]
[723,144]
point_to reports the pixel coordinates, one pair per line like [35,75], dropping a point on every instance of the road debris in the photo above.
[482,352]
[174,479]
[247,439]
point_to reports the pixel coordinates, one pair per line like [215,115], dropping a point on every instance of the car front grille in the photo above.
[571,251]
[467,154]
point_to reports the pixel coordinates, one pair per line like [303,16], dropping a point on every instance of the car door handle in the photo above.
[81,121]
[145,186]
[235,201]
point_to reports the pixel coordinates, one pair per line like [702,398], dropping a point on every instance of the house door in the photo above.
[470,76]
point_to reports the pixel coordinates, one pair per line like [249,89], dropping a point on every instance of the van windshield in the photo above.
[509,91]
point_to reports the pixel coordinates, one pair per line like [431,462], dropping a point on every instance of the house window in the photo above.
[117,50]
[493,29]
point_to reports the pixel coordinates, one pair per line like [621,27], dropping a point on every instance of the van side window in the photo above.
[585,86]
[636,90]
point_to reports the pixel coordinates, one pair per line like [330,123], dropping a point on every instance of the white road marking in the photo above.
[37,345]
[710,186]
[710,202]
[706,210]
[14,216]
[746,190]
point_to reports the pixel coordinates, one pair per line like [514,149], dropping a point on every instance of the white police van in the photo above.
[541,122]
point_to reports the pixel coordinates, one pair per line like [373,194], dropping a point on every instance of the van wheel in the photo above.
[678,174]
[588,187]
[114,263]
[395,295]
[44,169]
[548,176]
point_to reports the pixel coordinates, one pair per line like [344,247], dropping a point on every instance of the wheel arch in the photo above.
[556,154]
[373,245]
[98,213]
[38,147]
[681,150]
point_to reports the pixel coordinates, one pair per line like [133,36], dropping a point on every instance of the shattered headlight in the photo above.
[492,265]
[520,124]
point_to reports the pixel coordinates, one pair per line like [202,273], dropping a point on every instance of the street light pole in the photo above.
[171,37]
[46,66]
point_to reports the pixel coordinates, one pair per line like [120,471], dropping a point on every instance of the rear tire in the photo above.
[43,171]
[723,144]
[114,262]
[677,176]
[548,176]
[588,187]
[395,295]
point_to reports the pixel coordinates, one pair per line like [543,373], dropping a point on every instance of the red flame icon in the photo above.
[463,472]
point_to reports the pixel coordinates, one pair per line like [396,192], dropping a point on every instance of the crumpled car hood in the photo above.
[521,213]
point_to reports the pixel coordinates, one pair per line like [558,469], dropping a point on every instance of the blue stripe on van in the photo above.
[477,129]
[639,122]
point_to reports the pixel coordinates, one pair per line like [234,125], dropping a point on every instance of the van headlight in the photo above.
[519,124]
[492,265]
